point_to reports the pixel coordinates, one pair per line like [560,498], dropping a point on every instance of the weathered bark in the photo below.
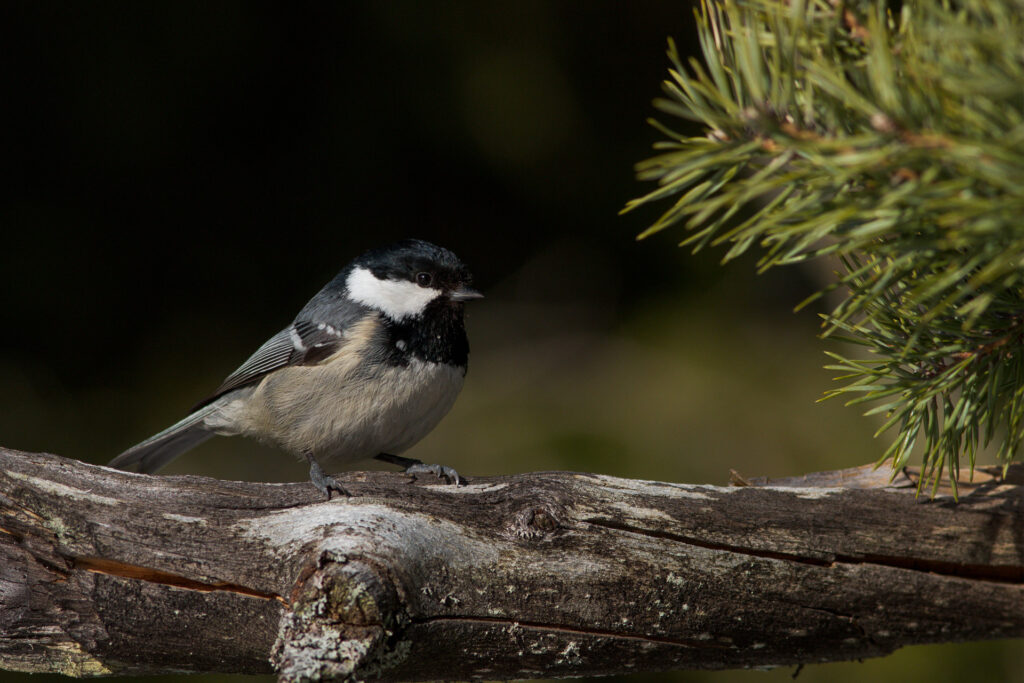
[545,574]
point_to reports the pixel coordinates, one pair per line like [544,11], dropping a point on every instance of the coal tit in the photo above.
[369,366]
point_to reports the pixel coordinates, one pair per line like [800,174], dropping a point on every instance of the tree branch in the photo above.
[545,574]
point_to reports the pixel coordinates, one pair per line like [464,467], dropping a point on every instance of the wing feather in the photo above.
[304,342]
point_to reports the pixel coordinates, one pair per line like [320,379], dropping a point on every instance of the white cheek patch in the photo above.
[397,299]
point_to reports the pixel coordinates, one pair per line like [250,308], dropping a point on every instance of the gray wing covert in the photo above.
[304,342]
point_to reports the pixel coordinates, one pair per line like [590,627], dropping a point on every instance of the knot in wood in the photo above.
[342,619]
[536,521]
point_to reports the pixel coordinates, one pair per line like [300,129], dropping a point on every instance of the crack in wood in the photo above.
[99,565]
[62,573]
[47,564]
[561,628]
[709,545]
[1012,574]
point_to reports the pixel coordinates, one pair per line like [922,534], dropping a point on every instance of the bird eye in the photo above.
[424,279]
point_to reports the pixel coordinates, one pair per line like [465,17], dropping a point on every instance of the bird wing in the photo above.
[304,342]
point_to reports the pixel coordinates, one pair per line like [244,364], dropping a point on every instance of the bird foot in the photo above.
[414,466]
[440,471]
[324,482]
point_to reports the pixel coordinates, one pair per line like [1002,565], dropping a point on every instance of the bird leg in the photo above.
[323,482]
[414,466]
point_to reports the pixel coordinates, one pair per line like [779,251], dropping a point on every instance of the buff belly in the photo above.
[335,410]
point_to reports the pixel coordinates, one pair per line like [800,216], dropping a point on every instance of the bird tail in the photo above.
[160,449]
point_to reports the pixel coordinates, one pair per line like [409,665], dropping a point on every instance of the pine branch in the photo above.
[895,145]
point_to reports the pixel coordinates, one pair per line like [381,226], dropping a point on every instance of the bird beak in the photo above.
[465,294]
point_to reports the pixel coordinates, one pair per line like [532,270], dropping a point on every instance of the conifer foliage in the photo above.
[889,138]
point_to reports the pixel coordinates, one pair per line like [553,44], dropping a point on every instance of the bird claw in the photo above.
[324,483]
[327,484]
[440,471]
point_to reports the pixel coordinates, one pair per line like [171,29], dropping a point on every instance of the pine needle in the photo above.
[895,142]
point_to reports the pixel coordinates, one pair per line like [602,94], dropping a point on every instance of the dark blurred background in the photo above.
[182,177]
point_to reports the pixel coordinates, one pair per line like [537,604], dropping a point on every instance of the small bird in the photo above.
[368,368]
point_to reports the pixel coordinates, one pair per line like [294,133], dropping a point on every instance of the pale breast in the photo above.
[334,411]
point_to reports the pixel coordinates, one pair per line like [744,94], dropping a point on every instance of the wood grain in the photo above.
[535,575]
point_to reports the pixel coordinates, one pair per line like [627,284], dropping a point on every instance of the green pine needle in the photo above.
[895,146]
